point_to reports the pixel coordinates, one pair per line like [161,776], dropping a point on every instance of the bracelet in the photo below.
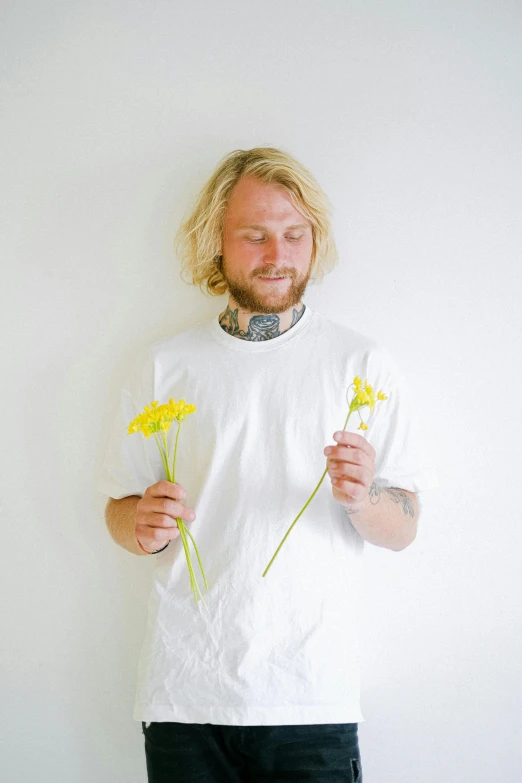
[155,551]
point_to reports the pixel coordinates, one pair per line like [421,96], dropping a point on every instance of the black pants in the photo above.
[209,753]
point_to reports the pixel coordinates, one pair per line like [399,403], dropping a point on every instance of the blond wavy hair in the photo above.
[199,239]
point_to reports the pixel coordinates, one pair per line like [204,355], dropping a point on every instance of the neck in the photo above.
[258,326]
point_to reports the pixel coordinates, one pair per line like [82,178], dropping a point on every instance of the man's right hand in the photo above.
[156,514]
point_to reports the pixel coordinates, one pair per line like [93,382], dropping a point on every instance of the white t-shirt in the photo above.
[280,649]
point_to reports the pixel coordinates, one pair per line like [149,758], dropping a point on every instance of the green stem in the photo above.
[164,456]
[193,581]
[199,559]
[295,520]
[349,414]
[304,507]
[183,535]
[175,453]
[167,455]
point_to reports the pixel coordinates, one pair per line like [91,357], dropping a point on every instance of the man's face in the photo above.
[267,248]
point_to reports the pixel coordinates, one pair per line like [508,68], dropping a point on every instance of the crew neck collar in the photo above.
[251,346]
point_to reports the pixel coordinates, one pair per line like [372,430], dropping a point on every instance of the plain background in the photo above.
[113,116]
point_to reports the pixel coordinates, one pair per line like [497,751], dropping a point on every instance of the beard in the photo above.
[272,301]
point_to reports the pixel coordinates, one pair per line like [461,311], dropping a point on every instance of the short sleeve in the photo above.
[403,457]
[132,463]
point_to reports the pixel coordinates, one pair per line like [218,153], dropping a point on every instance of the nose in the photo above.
[274,251]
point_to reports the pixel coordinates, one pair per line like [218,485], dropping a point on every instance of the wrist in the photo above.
[153,552]
[356,505]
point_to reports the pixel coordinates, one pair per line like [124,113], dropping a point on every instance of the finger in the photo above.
[355,492]
[172,509]
[154,537]
[353,455]
[353,473]
[163,524]
[166,489]
[354,440]
[156,530]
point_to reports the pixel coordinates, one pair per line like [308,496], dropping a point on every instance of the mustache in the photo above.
[272,274]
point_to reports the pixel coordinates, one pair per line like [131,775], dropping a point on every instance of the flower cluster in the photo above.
[363,395]
[158,418]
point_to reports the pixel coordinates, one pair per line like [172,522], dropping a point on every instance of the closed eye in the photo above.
[262,239]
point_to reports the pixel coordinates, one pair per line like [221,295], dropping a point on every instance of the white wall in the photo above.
[409,115]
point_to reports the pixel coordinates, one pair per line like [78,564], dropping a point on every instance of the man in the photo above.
[263,685]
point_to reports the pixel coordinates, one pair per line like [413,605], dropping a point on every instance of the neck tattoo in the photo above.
[260,327]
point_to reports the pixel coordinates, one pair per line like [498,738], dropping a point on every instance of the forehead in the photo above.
[253,201]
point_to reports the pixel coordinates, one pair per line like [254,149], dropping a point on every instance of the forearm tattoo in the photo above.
[260,327]
[395,495]
[399,496]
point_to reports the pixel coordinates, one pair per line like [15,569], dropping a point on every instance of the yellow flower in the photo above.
[152,420]
[179,410]
[158,418]
[362,396]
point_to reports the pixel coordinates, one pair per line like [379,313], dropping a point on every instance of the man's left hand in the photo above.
[351,466]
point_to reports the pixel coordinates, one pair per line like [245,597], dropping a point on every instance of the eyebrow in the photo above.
[262,228]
